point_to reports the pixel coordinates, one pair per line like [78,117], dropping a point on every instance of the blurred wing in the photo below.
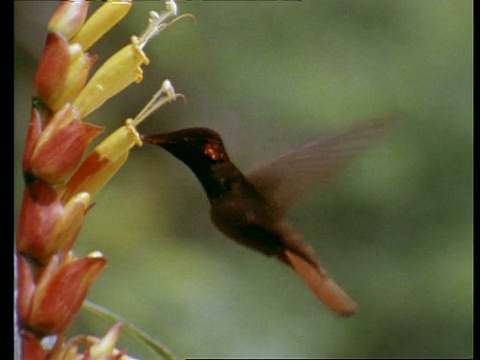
[290,176]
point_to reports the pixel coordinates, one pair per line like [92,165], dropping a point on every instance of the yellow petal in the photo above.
[106,345]
[103,162]
[101,21]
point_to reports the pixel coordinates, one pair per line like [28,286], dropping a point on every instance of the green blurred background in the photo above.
[395,230]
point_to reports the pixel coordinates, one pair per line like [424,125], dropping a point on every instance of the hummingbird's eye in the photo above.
[213,151]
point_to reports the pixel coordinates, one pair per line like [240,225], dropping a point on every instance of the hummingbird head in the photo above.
[194,146]
[202,150]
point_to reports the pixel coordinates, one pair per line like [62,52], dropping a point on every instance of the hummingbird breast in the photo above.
[246,216]
[249,219]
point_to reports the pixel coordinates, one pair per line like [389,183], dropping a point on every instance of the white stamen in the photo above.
[156,22]
[164,95]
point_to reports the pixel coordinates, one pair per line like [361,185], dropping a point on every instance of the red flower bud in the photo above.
[68,18]
[47,225]
[31,347]
[59,293]
[61,145]
[52,70]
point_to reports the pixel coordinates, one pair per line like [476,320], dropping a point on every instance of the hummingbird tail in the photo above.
[324,288]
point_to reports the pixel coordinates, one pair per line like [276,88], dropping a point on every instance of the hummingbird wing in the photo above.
[288,177]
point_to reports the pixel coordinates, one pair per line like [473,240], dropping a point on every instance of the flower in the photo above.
[56,151]
[62,72]
[105,160]
[31,347]
[48,225]
[57,137]
[60,181]
[95,348]
[42,310]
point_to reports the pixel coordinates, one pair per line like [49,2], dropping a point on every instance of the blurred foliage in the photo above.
[395,230]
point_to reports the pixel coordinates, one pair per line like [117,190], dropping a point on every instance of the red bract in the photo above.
[52,70]
[69,18]
[60,146]
[46,224]
[31,347]
[56,296]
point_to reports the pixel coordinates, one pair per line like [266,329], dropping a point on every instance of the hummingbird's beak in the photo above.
[157,139]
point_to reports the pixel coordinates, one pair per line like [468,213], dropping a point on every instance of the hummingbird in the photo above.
[252,209]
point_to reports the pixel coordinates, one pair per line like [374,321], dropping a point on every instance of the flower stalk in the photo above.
[60,181]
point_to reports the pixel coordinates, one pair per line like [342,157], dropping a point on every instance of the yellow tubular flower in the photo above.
[105,160]
[124,67]
[116,74]
[102,163]
[106,17]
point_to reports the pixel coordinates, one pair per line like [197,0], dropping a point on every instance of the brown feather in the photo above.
[324,288]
